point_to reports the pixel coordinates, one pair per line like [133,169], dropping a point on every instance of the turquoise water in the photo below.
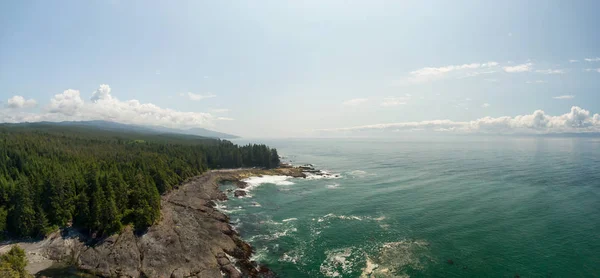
[495,207]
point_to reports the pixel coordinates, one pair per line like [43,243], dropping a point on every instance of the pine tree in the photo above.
[22,214]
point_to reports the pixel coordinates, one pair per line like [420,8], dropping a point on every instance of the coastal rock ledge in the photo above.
[193,238]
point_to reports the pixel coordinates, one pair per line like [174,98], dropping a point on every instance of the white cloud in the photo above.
[20,102]
[430,73]
[535,82]
[510,34]
[224,119]
[551,71]
[564,97]
[103,93]
[476,73]
[219,110]
[197,97]
[157,72]
[519,68]
[355,101]
[491,80]
[67,103]
[596,70]
[597,59]
[447,69]
[485,105]
[395,101]
[573,61]
[577,120]
[69,106]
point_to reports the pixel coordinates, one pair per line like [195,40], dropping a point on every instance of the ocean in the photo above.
[433,207]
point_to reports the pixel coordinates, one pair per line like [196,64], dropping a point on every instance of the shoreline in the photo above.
[192,239]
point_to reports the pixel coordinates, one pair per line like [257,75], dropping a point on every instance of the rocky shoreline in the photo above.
[192,239]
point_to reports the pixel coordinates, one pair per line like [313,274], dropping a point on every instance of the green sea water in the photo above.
[477,207]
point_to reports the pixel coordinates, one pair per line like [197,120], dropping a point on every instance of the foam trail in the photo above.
[254,182]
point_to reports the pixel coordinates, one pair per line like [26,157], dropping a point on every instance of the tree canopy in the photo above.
[101,180]
[12,264]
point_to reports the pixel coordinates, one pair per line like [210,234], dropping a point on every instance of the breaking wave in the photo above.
[254,182]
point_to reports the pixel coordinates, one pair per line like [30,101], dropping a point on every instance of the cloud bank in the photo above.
[395,101]
[102,105]
[197,97]
[518,68]
[578,120]
[432,73]
[564,97]
[20,102]
[551,71]
[446,69]
[354,101]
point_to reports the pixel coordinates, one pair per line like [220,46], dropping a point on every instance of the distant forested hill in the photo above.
[101,179]
[113,126]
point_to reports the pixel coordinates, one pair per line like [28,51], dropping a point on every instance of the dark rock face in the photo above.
[239,193]
[192,239]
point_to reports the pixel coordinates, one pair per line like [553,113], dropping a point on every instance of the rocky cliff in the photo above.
[193,238]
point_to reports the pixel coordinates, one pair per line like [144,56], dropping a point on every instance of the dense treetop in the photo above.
[12,264]
[100,180]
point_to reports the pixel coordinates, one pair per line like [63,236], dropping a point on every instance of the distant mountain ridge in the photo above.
[195,131]
[114,126]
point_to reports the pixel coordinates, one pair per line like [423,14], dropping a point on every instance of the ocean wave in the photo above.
[349,217]
[333,186]
[389,259]
[359,174]
[273,236]
[393,259]
[322,174]
[260,255]
[220,206]
[339,262]
[254,182]
[289,219]
[291,257]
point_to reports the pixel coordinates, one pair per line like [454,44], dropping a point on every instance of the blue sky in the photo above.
[287,68]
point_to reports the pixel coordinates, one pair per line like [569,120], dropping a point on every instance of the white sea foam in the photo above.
[273,236]
[339,262]
[369,268]
[220,206]
[323,174]
[359,173]
[289,219]
[393,257]
[254,182]
[348,217]
[333,186]
[260,254]
[380,218]
[291,257]
[233,261]
[344,217]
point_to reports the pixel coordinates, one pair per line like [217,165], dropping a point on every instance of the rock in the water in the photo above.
[239,193]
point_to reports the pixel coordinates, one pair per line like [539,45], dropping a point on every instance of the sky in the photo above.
[304,68]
